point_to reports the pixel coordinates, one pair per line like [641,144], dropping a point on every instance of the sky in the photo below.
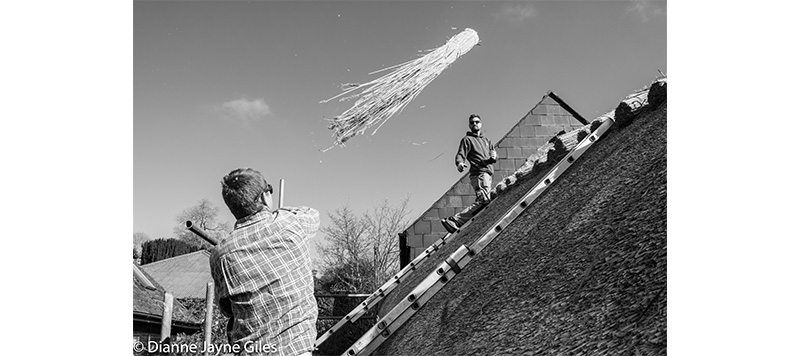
[223,85]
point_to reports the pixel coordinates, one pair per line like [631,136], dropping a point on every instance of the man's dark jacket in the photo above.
[475,150]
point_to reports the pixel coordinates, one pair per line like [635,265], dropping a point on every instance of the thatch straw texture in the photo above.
[658,92]
[582,271]
[628,108]
[380,99]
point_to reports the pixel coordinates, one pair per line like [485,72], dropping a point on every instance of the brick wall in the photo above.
[538,125]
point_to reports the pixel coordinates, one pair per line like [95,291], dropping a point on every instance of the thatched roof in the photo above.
[581,271]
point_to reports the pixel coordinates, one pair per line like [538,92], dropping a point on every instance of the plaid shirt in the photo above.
[263,281]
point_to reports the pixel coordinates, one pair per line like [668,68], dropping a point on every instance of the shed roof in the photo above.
[148,300]
[184,276]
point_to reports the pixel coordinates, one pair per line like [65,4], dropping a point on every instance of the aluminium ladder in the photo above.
[454,263]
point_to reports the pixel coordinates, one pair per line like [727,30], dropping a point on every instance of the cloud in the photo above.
[516,13]
[244,109]
[645,9]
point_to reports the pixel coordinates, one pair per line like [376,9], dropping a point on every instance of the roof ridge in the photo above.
[541,156]
[185,254]
[566,106]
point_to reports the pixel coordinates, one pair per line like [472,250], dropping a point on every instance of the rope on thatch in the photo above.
[380,99]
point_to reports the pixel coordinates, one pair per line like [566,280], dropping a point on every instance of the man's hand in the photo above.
[493,155]
[461,166]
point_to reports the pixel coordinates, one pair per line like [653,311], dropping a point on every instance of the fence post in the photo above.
[209,316]
[166,317]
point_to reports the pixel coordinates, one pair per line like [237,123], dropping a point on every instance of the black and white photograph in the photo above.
[331,177]
[400,178]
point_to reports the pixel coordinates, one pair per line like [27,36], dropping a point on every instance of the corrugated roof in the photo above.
[184,276]
[581,271]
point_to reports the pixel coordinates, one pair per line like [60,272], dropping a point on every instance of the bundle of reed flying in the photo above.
[380,99]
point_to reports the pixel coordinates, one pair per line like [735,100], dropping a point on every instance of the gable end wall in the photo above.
[538,125]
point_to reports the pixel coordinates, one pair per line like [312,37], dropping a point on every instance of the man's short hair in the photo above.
[242,189]
[473,115]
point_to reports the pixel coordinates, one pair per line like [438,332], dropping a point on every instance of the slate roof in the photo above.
[148,301]
[184,276]
[581,271]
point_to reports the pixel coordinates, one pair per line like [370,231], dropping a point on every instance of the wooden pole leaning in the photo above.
[166,317]
[209,317]
[403,311]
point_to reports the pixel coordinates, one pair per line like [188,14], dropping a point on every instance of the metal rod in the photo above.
[201,233]
[280,194]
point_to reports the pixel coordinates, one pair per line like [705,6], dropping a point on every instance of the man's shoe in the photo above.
[450,225]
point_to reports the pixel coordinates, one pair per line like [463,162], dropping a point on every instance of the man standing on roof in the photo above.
[262,271]
[479,152]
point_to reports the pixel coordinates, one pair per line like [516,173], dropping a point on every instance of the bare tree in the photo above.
[361,252]
[203,215]
[384,224]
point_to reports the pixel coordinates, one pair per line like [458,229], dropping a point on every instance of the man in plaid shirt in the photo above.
[262,271]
